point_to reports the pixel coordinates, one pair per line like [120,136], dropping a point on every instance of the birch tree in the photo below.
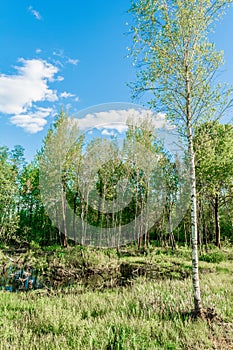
[56,159]
[177,66]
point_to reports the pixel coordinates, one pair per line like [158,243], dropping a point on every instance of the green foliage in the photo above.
[52,248]
[213,146]
[171,44]
[9,194]
[23,217]
[213,257]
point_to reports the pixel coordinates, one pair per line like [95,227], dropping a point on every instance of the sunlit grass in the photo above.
[148,314]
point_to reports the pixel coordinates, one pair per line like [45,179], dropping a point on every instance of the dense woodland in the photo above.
[24,219]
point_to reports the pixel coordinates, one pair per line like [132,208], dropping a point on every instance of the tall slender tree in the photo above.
[56,163]
[178,64]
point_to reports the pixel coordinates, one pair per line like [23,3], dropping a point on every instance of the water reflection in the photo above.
[15,280]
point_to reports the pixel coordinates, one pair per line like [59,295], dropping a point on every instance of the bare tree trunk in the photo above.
[63,203]
[146,241]
[217,224]
[86,211]
[185,235]
[83,222]
[64,230]
[195,271]
[74,218]
[59,228]
[199,230]
[170,229]
[140,238]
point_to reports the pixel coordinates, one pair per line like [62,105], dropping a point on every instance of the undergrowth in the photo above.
[147,313]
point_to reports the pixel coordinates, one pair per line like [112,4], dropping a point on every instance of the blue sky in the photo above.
[67,53]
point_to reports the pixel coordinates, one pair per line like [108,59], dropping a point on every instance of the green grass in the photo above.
[150,313]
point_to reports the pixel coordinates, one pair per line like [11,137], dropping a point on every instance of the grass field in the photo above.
[148,311]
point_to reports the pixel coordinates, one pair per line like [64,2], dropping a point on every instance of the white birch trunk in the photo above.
[195,270]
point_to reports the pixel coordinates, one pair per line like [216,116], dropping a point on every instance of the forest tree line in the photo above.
[23,216]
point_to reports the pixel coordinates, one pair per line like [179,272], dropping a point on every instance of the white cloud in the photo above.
[60,78]
[20,92]
[107,132]
[113,119]
[117,120]
[59,53]
[66,94]
[35,13]
[30,84]
[58,63]
[32,122]
[73,61]
[160,121]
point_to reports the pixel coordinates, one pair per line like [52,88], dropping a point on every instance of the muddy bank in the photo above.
[22,271]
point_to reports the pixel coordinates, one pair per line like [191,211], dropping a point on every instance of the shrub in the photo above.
[214,257]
